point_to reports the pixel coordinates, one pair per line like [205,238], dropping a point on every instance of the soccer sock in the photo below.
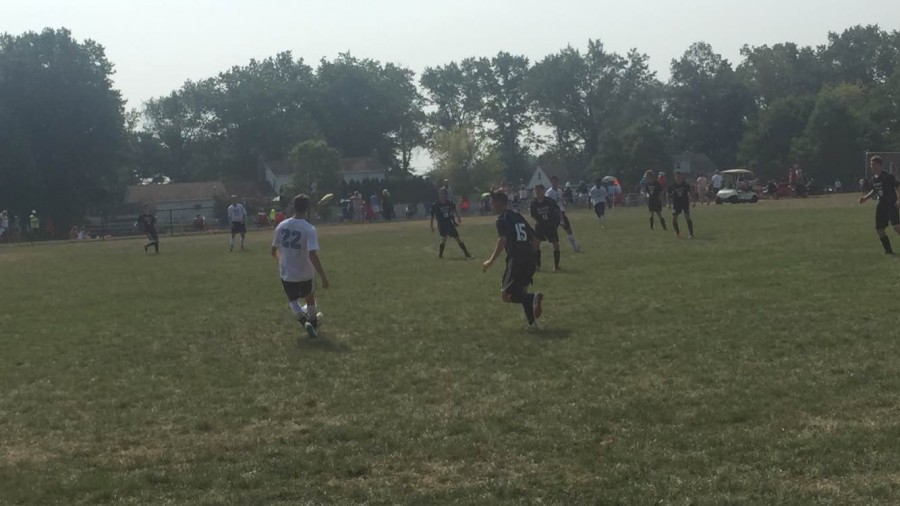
[662,221]
[297,310]
[312,312]
[538,257]
[462,246]
[887,244]
[242,241]
[441,253]
[528,306]
[156,246]
[675,226]
[556,259]
[651,223]
[572,242]
[690,227]
[231,242]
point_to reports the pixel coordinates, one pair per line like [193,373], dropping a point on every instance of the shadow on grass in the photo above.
[554,334]
[324,344]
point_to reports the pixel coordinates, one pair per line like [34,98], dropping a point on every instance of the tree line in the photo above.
[68,146]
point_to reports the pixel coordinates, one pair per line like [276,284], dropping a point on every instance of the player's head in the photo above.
[442,194]
[500,201]
[301,205]
[539,192]
[554,181]
[650,175]
[234,199]
[876,163]
[598,183]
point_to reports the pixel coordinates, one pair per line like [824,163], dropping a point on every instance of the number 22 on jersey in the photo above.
[291,239]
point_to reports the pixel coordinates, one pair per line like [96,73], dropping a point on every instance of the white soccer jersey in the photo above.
[557,196]
[717,181]
[237,213]
[598,194]
[295,238]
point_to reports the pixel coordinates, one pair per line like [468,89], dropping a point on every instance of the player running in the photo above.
[884,185]
[146,222]
[654,198]
[680,194]
[599,195]
[518,239]
[238,217]
[296,247]
[447,217]
[547,218]
[557,195]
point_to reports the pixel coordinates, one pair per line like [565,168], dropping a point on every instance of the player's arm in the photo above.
[867,196]
[501,245]
[275,245]
[317,264]
[456,215]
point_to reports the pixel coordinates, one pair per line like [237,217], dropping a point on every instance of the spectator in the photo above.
[387,205]
[4,226]
[34,226]
[838,186]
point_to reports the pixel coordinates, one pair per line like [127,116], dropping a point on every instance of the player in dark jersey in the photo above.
[547,218]
[447,217]
[654,198]
[680,195]
[146,222]
[884,186]
[518,239]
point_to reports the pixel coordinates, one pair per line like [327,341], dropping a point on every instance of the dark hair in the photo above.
[301,203]
[598,182]
[499,197]
[877,159]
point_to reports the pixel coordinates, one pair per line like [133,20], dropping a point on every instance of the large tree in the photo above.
[62,125]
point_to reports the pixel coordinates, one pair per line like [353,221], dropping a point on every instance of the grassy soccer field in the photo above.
[755,364]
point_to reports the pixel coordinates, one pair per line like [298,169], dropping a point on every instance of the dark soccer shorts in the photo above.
[655,206]
[447,230]
[238,227]
[679,210]
[518,275]
[548,233]
[600,209]
[298,289]
[886,214]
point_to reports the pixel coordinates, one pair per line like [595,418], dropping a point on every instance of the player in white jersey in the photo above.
[599,195]
[296,246]
[237,215]
[557,195]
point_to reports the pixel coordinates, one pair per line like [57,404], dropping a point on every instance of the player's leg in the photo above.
[537,253]
[882,218]
[651,217]
[243,234]
[462,246]
[675,223]
[690,223]
[292,292]
[442,246]
[556,255]
[570,235]
[662,221]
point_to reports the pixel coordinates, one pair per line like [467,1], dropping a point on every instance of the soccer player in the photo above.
[884,185]
[447,217]
[296,247]
[599,195]
[546,214]
[518,239]
[680,193]
[557,195]
[146,222]
[238,217]
[654,198]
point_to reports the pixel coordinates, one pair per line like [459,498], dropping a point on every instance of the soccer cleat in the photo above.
[537,305]
[691,236]
[311,330]
[532,328]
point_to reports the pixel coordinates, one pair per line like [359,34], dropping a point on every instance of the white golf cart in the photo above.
[737,187]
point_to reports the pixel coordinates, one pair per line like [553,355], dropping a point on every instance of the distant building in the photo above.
[358,169]
[184,200]
[278,174]
[539,177]
[693,163]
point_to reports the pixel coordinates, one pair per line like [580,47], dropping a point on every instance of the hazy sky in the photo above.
[158,44]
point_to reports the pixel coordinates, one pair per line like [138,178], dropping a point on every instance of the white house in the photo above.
[278,174]
[539,177]
[358,169]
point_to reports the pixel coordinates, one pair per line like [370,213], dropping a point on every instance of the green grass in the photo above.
[756,364]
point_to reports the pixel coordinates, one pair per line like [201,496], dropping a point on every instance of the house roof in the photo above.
[364,164]
[280,167]
[151,193]
[249,189]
